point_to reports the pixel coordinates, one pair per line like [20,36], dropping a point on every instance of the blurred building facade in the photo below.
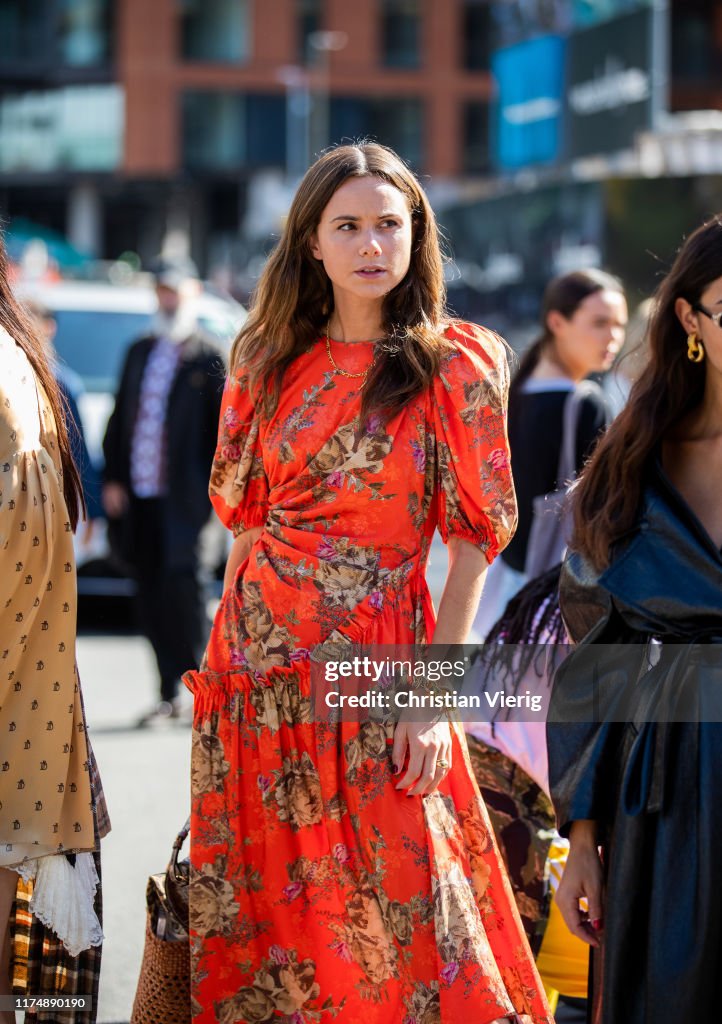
[551,132]
[605,147]
[135,126]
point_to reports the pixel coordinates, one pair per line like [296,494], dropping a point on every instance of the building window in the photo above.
[78,128]
[476,39]
[397,123]
[84,33]
[476,137]
[310,20]
[224,131]
[216,31]
[400,33]
[19,36]
[213,130]
[696,53]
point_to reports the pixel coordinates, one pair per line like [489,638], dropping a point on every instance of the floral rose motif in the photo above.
[372,737]
[458,922]
[424,1005]
[208,766]
[250,1004]
[293,890]
[213,907]
[401,922]
[448,974]
[298,793]
[479,845]
[341,854]
[498,459]
[441,816]
[368,939]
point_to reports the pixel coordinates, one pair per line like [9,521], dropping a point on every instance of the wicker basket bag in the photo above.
[163,994]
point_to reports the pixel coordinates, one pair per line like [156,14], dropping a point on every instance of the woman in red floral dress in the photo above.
[339,873]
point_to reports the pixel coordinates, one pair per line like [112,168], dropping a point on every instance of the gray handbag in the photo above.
[551,526]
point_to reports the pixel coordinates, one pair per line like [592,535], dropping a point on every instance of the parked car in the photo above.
[96,324]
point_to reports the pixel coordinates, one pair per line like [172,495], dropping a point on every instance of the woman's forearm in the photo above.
[583,833]
[239,552]
[460,599]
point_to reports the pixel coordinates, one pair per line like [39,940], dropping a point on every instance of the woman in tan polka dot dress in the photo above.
[47,803]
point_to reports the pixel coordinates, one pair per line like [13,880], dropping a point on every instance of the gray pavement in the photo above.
[146,780]
[145,777]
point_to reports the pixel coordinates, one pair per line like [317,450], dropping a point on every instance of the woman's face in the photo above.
[588,341]
[364,239]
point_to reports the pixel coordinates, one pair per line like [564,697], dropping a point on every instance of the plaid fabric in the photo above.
[523,820]
[41,964]
[102,819]
[43,967]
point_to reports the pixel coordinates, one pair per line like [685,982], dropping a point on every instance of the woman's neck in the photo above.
[357,322]
[550,367]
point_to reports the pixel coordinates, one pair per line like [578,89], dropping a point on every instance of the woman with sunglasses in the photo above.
[635,741]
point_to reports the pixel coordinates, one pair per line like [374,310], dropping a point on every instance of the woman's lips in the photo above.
[370,272]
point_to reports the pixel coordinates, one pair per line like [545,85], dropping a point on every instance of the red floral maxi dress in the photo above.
[318,891]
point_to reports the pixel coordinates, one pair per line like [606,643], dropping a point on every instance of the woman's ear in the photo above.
[555,322]
[686,316]
[314,247]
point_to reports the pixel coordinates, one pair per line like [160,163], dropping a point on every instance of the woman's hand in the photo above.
[429,750]
[582,878]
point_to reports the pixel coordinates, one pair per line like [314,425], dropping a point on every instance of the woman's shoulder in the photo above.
[476,342]
[475,353]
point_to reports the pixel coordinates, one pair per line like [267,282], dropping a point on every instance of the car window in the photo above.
[94,343]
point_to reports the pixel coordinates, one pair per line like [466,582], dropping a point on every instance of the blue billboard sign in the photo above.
[529,102]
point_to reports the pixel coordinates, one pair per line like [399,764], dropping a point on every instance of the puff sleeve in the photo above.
[238,488]
[476,500]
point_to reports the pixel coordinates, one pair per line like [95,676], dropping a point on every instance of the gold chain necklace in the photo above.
[345,373]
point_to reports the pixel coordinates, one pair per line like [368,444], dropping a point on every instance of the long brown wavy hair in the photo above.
[21,330]
[607,497]
[293,300]
[563,294]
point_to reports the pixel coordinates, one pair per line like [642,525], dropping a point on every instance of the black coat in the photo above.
[192,415]
[635,743]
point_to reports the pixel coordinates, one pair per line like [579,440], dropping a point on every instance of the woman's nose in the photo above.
[370,245]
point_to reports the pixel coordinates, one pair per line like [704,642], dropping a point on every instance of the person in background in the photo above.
[583,319]
[52,810]
[584,314]
[158,448]
[71,391]
[635,759]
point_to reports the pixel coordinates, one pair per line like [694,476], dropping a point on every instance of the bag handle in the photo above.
[567,468]
[177,845]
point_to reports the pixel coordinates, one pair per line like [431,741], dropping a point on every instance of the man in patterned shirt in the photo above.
[158,447]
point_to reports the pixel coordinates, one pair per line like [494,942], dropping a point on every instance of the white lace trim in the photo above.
[63,898]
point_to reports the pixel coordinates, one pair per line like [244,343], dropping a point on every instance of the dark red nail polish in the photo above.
[597,924]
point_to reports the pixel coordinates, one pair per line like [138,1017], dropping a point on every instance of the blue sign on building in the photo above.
[529,102]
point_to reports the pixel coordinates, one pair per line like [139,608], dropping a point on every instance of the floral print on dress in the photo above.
[320,892]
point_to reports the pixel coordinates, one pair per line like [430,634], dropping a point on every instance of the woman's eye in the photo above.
[348,224]
[390,223]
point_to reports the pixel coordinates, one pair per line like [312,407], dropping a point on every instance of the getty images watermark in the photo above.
[653,682]
[422,683]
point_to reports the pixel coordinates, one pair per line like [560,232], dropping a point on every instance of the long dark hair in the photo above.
[21,330]
[607,497]
[563,294]
[294,297]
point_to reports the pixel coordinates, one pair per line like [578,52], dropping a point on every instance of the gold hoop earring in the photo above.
[695,349]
